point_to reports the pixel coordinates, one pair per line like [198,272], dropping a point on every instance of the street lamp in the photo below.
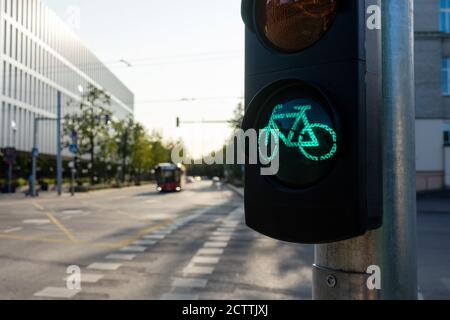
[35,151]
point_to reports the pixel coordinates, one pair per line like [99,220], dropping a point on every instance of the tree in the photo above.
[238,116]
[91,122]
[141,152]
[160,152]
[123,139]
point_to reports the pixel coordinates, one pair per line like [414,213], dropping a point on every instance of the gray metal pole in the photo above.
[10,176]
[72,180]
[399,232]
[34,159]
[58,146]
[340,268]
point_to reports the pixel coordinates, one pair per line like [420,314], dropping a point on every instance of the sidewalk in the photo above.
[66,193]
[238,190]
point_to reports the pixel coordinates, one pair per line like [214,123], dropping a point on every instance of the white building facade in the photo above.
[39,56]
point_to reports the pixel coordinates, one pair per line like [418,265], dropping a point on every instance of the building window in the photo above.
[446,76]
[445,16]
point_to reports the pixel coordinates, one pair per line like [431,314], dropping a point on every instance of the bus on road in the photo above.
[170,177]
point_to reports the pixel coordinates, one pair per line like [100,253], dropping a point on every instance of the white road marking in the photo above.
[145,242]
[210,251]
[155,237]
[90,278]
[70,212]
[230,230]
[190,269]
[168,229]
[12,230]
[420,296]
[206,260]
[162,233]
[104,266]
[222,238]
[52,292]
[179,296]
[121,257]
[133,249]
[216,244]
[221,233]
[37,221]
[189,283]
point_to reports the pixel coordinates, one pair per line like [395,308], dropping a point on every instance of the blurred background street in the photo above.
[138,244]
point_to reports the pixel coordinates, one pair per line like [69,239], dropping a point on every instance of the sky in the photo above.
[187,59]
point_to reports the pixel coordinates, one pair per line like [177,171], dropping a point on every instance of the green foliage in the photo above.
[238,117]
[91,122]
[120,148]
[21,182]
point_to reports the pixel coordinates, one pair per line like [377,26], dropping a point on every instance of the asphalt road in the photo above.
[138,244]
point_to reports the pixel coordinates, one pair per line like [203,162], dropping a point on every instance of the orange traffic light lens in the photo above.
[293,25]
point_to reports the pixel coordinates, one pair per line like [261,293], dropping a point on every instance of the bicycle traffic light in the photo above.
[313,95]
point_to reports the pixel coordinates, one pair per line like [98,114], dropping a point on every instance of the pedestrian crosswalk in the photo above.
[127,254]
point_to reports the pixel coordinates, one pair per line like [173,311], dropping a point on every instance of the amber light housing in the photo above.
[294,25]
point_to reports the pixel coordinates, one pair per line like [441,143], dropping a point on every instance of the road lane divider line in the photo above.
[189,283]
[204,262]
[31,239]
[134,249]
[13,230]
[57,223]
[90,278]
[144,232]
[57,293]
[121,257]
[104,266]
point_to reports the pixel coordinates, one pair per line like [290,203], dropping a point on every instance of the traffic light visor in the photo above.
[293,25]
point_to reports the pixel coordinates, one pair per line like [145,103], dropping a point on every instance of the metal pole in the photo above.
[399,231]
[34,159]
[393,247]
[10,174]
[58,146]
[72,180]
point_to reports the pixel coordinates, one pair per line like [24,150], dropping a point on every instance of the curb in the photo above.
[240,192]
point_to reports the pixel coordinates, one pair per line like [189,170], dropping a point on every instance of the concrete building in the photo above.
[432,67]
[40,55]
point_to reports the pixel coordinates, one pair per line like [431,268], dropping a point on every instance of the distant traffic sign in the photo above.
[35,152]
[73,148]
[74,137]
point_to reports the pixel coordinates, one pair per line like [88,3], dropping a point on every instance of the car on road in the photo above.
[190,179]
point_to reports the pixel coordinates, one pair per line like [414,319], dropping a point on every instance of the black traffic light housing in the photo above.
[326,95]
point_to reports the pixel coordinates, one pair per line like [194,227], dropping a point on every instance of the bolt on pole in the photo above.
[340,270]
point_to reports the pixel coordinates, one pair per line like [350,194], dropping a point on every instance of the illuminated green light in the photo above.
[307,140]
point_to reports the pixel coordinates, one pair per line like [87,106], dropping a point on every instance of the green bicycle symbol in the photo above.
[310,130]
